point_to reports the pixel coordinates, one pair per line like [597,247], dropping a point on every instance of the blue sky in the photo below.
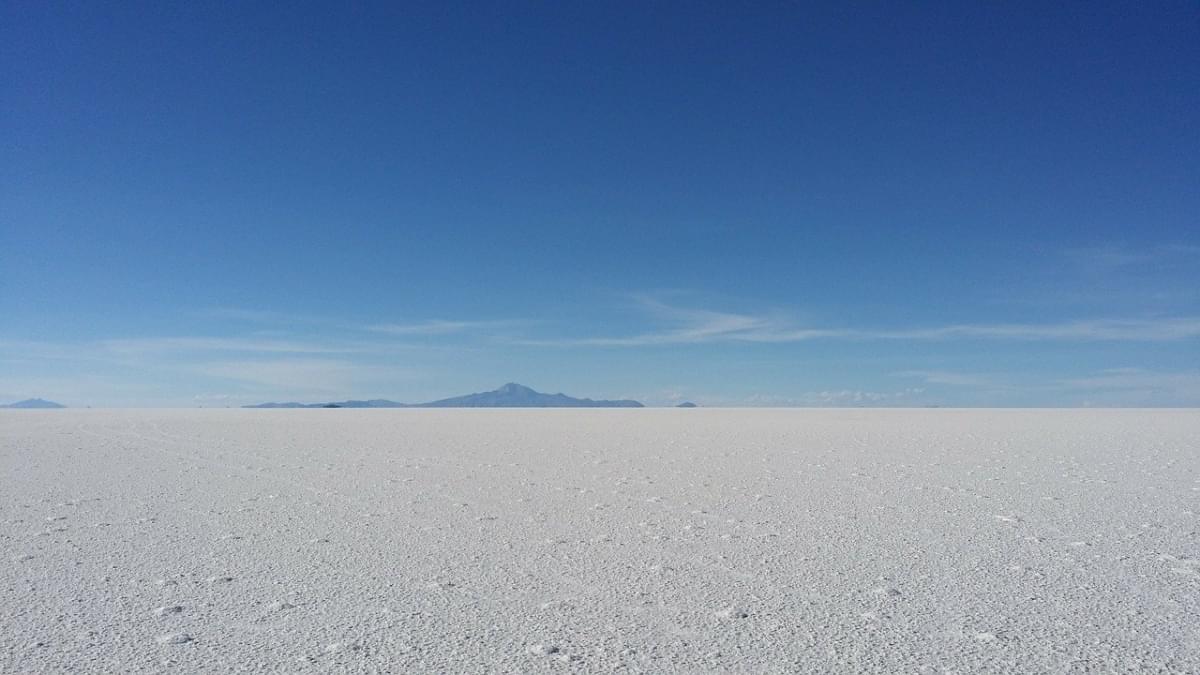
[810,204]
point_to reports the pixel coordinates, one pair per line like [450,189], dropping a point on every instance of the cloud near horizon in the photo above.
[372,359]
[691,326]
[684,325]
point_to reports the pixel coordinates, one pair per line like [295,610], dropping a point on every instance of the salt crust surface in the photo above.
[648,540]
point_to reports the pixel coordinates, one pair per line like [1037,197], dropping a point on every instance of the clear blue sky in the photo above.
[739,204]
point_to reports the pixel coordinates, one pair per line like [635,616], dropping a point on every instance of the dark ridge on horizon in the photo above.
[34,404]
[511,395]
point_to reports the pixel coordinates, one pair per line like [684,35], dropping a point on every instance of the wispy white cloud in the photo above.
[288,375]
[945,377]
[860,397]
[1114,386]
[15,351]
[241,314]
[679,326]
[410,328]
[1131,330]
[1112,256]
[1109,256]
[300,376]
[1183,385]
[215,399]
[692,326]
[134,346]
[441,327]
[834,398]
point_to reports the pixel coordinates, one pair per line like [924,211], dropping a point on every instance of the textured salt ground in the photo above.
[599,540]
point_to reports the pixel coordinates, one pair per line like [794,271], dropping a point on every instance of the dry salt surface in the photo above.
[600,540]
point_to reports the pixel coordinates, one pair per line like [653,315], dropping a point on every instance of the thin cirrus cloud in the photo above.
[1134,330]
[1109,257]
[1121,379]
[314,376]
[441,327]
[830,398]
[1181,387]
[259,316]
[682,326]
[135,346]
[428,327]
[690,325]
[949,378]
[696,326]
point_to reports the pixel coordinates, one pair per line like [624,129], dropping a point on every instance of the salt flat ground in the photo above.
[600,540]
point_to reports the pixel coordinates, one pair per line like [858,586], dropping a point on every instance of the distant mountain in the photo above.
[687,404]
[34,403]
[373,403]
[511,395]
[514,395]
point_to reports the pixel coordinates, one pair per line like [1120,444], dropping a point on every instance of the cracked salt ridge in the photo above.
[372,540]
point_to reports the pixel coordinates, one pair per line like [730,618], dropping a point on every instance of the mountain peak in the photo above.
[511,395]
[34,403]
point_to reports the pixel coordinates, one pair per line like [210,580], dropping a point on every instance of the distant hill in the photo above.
[34,403]
[514,395]
[687,404]
[373,403]
[511,395]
